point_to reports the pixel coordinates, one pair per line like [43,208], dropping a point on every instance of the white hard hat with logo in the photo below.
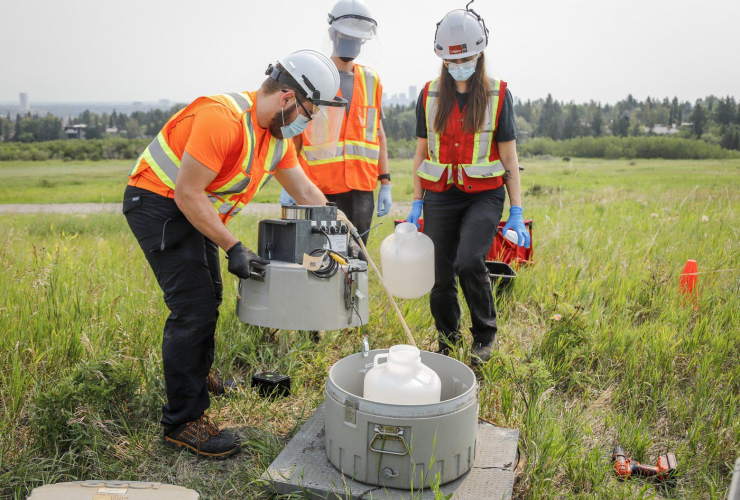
[461,33]
[352,33]
[317,76]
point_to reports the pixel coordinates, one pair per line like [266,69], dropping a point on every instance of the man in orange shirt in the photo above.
[205,165]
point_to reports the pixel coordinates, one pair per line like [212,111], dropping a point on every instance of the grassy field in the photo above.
[101,182]
[596,345]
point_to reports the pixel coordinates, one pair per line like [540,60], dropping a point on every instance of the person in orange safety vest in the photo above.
[349,176]
[206,164]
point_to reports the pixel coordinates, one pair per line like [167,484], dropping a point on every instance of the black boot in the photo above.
[482,353]
[204,439]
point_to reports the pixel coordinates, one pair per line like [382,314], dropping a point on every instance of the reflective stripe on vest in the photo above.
[162,160]
[431,170]
[240,101]
[355,149]
[369,81]
[240,181]
[482,143]
[166,165]
[274,155]
[312,156]
[431,108]
[361,150]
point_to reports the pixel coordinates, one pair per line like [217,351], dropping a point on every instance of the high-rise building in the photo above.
[25,104]
[413,93]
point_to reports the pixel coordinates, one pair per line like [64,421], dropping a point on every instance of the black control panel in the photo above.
[302,230]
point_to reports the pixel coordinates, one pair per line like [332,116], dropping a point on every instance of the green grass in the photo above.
[55,181]
[95,182]
[63,182]
[628,361]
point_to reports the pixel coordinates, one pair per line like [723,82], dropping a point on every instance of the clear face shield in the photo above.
[353,38]
[322,132]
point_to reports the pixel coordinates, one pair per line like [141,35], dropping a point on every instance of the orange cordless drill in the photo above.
[625,468]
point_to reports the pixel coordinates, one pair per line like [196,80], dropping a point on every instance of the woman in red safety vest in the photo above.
[465,155]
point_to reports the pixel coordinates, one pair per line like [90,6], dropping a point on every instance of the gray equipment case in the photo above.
[290,297]
[393,445]
[112,490]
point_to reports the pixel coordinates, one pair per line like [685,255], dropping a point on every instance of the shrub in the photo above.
[86,409]
[116,148]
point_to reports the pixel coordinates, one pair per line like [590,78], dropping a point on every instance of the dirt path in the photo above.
[262,209]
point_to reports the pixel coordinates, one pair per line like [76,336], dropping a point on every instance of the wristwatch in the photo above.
[384,176]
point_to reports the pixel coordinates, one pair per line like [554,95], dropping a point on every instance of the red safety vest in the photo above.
[355,163]
[469,161]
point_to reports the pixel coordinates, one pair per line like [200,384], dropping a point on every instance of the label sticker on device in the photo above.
[359,295]
[313,263]
[338,242]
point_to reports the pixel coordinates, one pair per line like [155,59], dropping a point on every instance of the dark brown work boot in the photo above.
[219,386]
[204,439]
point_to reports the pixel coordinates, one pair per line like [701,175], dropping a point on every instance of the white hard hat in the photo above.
[353,18]
[461,33]
[312,71]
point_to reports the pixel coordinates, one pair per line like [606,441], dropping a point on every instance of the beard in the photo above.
[274,127]
[277,121]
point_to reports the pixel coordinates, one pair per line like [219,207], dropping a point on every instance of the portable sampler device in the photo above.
[310,283]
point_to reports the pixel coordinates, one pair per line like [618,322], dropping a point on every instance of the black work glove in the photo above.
[241,259]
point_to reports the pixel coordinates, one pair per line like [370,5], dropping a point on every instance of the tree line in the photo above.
[34,128]
[715,120]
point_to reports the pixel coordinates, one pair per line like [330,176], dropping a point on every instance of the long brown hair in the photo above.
[479,98]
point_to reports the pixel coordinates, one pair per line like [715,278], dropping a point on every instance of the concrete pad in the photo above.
[302,467]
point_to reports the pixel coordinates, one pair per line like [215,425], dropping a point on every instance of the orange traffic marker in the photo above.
[689,280]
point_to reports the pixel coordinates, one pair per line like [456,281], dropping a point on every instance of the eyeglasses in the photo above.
[308,115]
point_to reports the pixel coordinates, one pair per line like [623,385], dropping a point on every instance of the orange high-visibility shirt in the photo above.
[214,135]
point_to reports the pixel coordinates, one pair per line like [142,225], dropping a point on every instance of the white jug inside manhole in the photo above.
[403,379]
[407,258]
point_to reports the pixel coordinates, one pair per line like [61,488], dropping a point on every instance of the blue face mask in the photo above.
[461,72]
[296,127]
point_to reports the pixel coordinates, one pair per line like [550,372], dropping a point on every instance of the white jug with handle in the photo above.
[403,379]
[407,258]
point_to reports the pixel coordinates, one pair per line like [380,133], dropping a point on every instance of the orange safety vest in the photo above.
[228,195]
[355,165]
[469,161]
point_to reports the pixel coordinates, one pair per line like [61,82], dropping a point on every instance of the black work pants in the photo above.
[186,265]
[358,206]
[462,227]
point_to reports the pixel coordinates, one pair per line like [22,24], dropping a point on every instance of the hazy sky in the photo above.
[146,50]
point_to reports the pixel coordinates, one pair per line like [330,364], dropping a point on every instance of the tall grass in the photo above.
[597,344]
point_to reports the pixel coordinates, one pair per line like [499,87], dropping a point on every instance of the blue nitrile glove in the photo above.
[516,223]
[286,199]
[384,200]
[415,214]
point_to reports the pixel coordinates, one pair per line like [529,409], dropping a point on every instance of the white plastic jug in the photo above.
[403,379]
[407,257]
